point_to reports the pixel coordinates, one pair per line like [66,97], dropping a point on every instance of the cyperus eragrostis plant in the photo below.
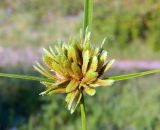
[76,67]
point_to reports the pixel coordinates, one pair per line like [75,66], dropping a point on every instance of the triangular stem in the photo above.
[87,24]
[88,14]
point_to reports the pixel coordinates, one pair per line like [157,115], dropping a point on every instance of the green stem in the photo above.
[88,10]
[83,114]
[87,24]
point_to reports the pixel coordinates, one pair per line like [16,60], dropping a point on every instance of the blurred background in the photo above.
[132,31]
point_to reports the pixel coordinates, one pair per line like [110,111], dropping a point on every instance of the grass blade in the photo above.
[134,75]
[26,77]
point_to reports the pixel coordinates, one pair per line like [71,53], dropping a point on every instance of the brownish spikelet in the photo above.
[77,68]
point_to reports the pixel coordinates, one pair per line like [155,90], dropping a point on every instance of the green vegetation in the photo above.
[128,22]
[130,104]
[25,23]
[129,26]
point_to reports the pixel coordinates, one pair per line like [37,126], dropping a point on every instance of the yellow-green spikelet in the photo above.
[75,67]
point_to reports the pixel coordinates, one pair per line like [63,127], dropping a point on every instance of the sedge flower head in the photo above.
[75,67]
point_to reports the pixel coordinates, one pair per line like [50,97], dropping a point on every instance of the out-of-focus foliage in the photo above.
[124,106]
[130,104]
[41,7]
[38,22]
[128,21]
[18,99]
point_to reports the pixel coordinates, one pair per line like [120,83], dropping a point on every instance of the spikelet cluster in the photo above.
[75,67]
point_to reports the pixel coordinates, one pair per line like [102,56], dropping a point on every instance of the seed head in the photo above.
[75,67]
